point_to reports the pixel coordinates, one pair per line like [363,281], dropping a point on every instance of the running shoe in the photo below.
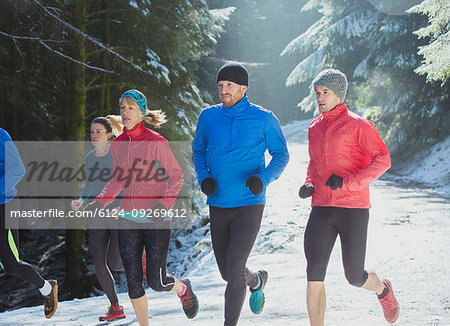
[114,312]
[51,300]
[257,298]
[189,300]
[389,304]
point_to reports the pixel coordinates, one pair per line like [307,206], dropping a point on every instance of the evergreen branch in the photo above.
[74,60]
[31,38]
[88,37]
[42,42]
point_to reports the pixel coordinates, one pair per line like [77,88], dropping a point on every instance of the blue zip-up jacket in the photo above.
[229,146]
[10,165]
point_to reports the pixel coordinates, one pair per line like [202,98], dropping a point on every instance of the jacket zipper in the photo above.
[231,130]
[325,150]
[132,179]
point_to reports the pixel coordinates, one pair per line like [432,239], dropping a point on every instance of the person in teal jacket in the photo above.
[228,153]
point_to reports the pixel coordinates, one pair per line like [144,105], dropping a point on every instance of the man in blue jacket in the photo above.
[228,152]
[11,172]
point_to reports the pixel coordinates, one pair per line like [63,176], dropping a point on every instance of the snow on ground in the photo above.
[430,168]
[409,237]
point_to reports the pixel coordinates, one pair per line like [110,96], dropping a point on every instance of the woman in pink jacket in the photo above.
[147,173]
[346,155]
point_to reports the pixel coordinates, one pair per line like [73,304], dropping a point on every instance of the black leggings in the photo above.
[9,251]
[156,243]
[104,245]
[324,224]
[233,233]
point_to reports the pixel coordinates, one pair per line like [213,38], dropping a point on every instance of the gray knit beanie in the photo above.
[334,80]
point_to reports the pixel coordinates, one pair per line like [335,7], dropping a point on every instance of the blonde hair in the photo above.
[116,124]
[155,117]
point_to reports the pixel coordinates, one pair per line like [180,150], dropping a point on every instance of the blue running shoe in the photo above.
[257,298]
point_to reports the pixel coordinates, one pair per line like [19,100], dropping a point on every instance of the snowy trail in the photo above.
[409,236]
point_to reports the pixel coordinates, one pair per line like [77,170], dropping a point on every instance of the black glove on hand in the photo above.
[306,191]
[255,185]
[208,186]
[334,181]
[159,212]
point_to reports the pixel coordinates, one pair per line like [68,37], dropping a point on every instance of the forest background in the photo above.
[62,63]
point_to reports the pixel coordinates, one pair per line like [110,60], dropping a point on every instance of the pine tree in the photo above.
[378,53]
[255,35]
[436,63]
[65,62]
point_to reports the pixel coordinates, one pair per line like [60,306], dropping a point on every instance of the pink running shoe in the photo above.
[114,312]
[389,304]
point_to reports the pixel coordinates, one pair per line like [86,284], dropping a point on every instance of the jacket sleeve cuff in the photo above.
[203,177]
[350,183]
[263,178]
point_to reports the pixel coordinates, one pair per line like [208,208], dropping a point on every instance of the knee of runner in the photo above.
[315,274]
[11,269]
[155,284]
[135,290]
[235,278]
[115,266]
[356,279]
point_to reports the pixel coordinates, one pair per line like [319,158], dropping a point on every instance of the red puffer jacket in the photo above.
[145,169]
[343,143]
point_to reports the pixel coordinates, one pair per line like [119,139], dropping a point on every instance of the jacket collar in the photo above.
[137,131]
[334,113]
[239,106]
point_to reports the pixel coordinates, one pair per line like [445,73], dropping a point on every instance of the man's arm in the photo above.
[370,142]
[276,144]
[199,150]
[310,169]
[11,164]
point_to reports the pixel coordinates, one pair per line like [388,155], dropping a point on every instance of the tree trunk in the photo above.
[76,102]
[105,92]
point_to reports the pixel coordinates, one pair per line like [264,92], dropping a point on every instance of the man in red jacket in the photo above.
[346,155]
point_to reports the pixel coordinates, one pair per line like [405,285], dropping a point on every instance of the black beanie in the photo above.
[233,72]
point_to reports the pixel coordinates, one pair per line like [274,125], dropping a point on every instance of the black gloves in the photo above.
[255,185]
[306,191]
[334,181]
[208,186]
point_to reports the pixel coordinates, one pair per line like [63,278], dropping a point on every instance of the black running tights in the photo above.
[9,251]
[233,233]
[156,243]
[324,225]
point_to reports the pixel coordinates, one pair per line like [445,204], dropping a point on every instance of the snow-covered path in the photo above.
[409,238]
